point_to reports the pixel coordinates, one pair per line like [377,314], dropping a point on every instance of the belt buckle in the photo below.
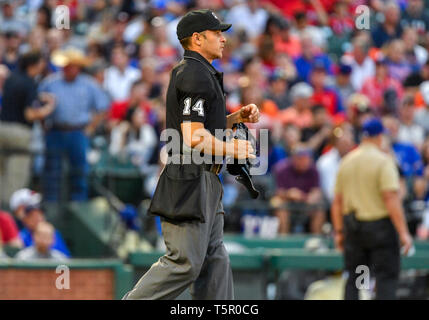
[215,168]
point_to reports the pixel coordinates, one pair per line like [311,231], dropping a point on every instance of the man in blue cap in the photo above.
[367,215]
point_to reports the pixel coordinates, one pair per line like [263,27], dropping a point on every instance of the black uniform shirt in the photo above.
[196,94]
[19,93]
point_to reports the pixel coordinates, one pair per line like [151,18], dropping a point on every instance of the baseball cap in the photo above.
[25,197]
[424,89]
[300,151]
[373,127]
[318,65]
[301,90]
[344,68]
[198,21]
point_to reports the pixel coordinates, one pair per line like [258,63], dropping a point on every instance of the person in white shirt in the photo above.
[248,16]
[362,65]
[327,165]
[119,78]
[409,130]
[43,240]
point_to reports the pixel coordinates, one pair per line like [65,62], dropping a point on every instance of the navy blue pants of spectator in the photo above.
[70,146]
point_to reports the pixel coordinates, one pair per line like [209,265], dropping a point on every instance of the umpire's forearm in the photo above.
[336,213]
[394,208]
[202,140]
[233,118]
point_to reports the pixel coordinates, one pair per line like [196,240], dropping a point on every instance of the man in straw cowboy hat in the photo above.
[80,103]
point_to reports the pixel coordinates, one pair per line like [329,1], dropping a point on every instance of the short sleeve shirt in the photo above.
[196,94]
[19,92]
[363,175]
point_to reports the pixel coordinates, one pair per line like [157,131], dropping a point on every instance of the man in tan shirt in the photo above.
[367,214]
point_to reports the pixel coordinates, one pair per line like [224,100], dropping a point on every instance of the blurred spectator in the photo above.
[324,95]
[343,82]
[116,36]
[358,111]
[11,50]
[310,57]
[406,156]
[284,40]
[21,199]
[425,159]
[120,76]
[289,140]
[138,97]
[33,215]
[328,164]
[299,113]
[78,97]
[148,67]
[340,20]
[413,84]
[415,54]
[9,234]
[421,116]
[253,94]
[399,67]
[298,190]
[134,137]
[305,27]
[165,52]
[42,247]
[363,66]
[316,136]
[415,16]
[248,16]
[9,21]
[375,87]
[390,28]
[278,89]
[19,110]
[409,131]
[4,73]
[43,18]
[36,41]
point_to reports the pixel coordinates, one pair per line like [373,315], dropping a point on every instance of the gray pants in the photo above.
[195,257]
[14,167]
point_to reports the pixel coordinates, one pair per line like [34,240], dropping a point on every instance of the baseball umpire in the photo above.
[188,195]
[367,214]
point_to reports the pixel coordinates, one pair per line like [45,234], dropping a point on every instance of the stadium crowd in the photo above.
[315,76]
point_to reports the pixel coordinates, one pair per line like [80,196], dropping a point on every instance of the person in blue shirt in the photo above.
[311,56]
[407,158]
[80,107]
[32,217]
[390,28]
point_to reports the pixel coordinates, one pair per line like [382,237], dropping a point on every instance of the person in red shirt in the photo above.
[375,87]
[323,95]
[9,233]
[138,97]
[285,41]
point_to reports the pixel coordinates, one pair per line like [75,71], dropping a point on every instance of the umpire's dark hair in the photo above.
[29,59]
[186,42]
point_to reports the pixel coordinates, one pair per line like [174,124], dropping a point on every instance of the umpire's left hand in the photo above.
[249,113]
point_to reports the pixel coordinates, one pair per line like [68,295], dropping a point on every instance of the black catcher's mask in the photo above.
[242,170]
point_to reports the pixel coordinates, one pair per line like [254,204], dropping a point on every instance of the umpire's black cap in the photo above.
[198,21]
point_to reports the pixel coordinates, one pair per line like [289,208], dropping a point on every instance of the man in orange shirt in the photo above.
[299,113]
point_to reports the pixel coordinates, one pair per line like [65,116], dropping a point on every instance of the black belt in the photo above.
[67,127]
[214,168]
